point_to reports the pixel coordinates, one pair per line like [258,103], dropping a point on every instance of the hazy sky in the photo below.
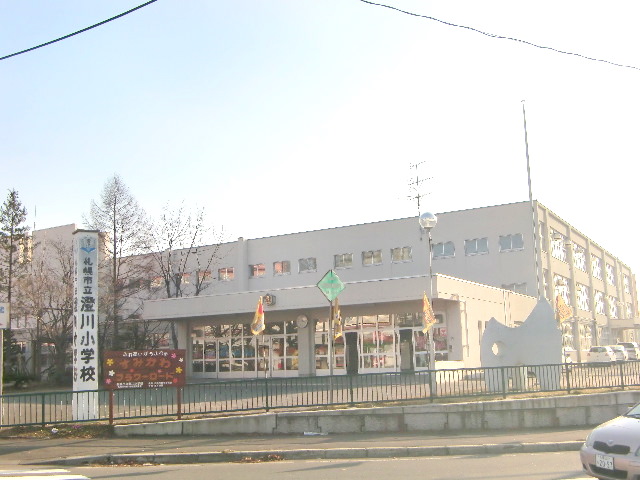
[292,115]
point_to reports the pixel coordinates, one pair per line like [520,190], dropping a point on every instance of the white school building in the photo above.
[487,262]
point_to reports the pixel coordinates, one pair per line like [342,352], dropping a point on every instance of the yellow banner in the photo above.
[563,311]
[337,320]
[257,326]
[428,317]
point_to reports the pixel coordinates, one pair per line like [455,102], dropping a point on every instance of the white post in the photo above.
[85,326]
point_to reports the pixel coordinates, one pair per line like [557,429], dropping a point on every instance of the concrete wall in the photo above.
[550,412]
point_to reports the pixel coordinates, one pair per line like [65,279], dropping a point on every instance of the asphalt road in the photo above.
[538,466]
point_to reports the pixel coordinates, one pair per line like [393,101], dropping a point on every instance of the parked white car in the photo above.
[633,349]
[601,354]
[620,352]
[612,450]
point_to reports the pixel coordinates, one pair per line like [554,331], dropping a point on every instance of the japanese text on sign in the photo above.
[144,369]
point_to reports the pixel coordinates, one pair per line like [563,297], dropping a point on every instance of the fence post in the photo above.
[431,389]
[266,394]
[350,389]
[504,383]
[42,410]
[110,407]
[622,374]
[179,399]
[567,374]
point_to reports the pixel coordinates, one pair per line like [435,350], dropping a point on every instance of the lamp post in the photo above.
[427,221]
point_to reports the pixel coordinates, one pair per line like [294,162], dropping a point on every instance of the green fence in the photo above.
[218,397]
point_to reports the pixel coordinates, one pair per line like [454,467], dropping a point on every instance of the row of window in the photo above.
[560,246]
[283,267]
[479,246]
[601,304]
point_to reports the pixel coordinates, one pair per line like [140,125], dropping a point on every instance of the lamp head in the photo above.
[428,220]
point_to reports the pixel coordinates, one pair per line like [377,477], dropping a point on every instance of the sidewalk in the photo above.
[74,451]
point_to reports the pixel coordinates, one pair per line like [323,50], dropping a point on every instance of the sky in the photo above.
[285,116]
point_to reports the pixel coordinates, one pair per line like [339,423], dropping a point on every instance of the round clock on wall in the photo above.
[302,321]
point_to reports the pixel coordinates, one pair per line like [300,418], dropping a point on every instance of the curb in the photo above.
[316,454]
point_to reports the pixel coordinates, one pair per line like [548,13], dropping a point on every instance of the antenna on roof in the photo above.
[415,183]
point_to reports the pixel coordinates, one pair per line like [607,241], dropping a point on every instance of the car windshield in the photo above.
[634,412]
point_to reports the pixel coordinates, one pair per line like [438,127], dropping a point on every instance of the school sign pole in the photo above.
[85,325]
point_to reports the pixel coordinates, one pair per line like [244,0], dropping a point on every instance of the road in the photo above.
[539,466]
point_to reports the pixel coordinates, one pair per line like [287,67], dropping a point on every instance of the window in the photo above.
[626,283]
[257,270]
[611,274]
[579,257]
[160,340]
[613,306]
[476,246]
[558,246]
[583,297]
[596,267]
[511,242]
[401,254]
[598,300]
[307,264]
[343,260]
[282,267]
[444,250]
[561,287]
[629,310]
[204,276]
[225,274]
[372,257]
[516,287]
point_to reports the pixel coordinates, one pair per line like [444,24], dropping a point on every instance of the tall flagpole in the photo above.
[533,212]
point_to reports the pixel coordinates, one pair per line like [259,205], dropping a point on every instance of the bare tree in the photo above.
[48,299]
[183,245]
[126,229]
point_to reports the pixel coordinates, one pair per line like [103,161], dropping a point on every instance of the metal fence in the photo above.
[219,397]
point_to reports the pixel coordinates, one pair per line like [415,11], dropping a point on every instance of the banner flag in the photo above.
[564,311]
[337,320]
[428,318]
[257,326]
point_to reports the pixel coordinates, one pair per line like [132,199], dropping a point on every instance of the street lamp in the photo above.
[427,221]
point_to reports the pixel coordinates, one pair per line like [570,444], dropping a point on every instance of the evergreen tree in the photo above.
[14,246]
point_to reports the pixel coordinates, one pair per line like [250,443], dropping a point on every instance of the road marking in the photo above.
[54,474]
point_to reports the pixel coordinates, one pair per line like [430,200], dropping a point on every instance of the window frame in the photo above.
[402,251]
[444,254]
[476,251]
[340,260]
[307,270]
[226,274]
[254,270]
[511,248]
[373,256]
[282,271]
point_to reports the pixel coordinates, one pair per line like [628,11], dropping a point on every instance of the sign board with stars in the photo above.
[144,369]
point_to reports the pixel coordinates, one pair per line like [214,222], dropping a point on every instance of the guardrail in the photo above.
[280,393]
